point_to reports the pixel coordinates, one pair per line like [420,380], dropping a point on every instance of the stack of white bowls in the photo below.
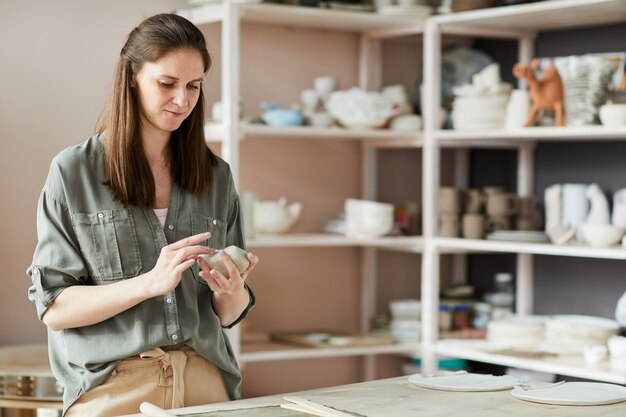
[569,334]
[366,219]
[521,332]
[405,320]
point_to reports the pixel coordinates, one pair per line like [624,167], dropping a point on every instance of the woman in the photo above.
[132,314]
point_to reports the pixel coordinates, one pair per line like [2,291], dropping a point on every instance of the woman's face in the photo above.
[168,90]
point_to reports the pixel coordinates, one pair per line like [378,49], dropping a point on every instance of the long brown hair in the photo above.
[127,170]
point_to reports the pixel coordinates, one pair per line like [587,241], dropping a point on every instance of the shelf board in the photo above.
[458,245]
[534,134]
[400,243]
[311,18]
[541,16]
[574,366]
[272,351]
[214,132]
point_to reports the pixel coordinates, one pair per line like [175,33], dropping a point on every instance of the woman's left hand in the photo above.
[231,284]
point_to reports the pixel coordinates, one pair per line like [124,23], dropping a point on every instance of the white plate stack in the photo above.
[569,334]
[518,332]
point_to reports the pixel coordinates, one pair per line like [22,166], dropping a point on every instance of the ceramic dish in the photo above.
[573,393]
[519,236]
[465,382]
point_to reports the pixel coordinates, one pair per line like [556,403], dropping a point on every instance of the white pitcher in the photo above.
[618,217]
[517,110]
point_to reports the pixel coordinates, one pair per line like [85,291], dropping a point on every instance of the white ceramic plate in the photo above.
[573,393]
[519,236]
[465,382]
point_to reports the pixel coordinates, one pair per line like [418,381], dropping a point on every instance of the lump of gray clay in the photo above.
[238,256]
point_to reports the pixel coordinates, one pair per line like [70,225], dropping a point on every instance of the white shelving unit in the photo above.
[521,23]
[372,29]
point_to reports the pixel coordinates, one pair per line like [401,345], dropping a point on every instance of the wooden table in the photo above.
[396,397]
[27,383]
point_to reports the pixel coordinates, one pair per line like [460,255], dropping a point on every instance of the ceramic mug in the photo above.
[473,226]
[502,204]
[449,200]
[527,205]
[449,225]
[473,202]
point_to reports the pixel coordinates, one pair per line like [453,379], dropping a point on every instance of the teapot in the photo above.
[275,216]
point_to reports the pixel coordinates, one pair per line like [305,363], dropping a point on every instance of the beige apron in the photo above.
[172,378]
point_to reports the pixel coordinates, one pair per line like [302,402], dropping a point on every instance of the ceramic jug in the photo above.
[599,212]
[619,208]
[275,216]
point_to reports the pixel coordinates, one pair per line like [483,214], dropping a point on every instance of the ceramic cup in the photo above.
[527,205]
[324,86]
[517,110]
[449,200]
[502,204]
[473,226]
[473,201]
[449,225]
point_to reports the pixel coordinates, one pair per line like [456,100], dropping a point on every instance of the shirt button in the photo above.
[35,271]
[169,300]
[214,222]
[100,215]
[171,227]
[174,337]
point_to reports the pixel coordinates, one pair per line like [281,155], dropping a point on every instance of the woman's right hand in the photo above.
[174,259]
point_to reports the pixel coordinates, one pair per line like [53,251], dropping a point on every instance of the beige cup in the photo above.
[473,202]
[473,226]
[527,206]
[504,204]
[449,200]
[449,225]
[492,189]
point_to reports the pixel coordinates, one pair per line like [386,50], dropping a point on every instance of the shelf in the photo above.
[310,17]
[573,366]
[270,351]
[459,245]
[399,243]
[542,16]
[532,134]
[214,132]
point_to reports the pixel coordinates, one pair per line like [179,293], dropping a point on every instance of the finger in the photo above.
[191,252]
[188,241]
[254,260]
[229,264]
[223,282]
[180,268]
[211,281]
[203,265]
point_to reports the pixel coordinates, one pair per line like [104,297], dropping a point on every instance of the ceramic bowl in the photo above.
[359,109]
[282,117]
[613,115]
[602,235]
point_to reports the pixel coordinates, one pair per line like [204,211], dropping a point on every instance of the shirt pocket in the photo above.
[201,223]
[108,242]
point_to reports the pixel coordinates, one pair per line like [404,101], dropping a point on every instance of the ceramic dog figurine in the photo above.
[545,93]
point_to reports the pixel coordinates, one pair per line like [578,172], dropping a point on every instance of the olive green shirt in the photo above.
[87,237]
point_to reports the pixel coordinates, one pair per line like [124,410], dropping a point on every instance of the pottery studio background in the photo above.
[58,58]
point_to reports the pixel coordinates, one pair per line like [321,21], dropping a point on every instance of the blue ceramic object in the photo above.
[275,116]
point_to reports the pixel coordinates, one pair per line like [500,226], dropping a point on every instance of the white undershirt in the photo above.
[161,214]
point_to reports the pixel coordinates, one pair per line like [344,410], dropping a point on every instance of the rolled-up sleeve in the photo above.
[57,262]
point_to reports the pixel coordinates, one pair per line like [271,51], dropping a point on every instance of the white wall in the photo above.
[56,63]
